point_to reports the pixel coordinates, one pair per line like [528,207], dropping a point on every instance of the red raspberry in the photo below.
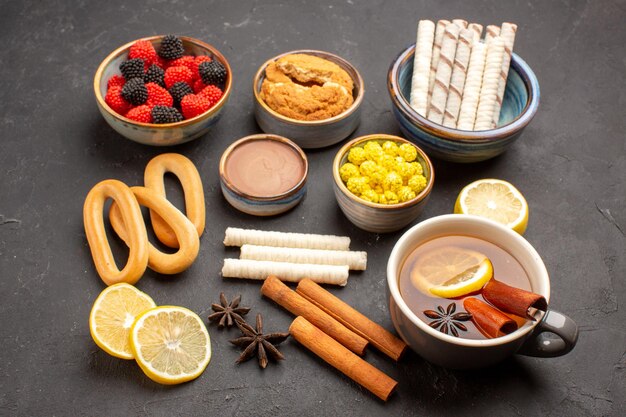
[158,96]
[141,114]
[176,74]
[186,61]
[116,80]
[212,92]
[145,51]
[193,105]
[162,63]
[198,86]
[115,100]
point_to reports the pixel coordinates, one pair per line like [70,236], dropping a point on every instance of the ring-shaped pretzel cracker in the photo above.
[136,235]
[189,178]
[184,232]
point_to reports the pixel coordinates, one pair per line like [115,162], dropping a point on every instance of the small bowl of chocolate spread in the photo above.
[263,174]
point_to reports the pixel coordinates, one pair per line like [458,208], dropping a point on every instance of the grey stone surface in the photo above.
[570,164]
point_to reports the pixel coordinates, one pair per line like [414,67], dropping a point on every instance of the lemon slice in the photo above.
[496,200]
[112,316]
[171,344]
[451,272]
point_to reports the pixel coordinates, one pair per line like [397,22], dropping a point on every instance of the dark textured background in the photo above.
[570,164]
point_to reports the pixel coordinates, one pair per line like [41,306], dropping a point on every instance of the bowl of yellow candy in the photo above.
[382,182]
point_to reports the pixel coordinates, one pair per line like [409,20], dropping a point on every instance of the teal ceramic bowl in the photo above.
[519,106]
[159,134]
[315,133]
[374,217]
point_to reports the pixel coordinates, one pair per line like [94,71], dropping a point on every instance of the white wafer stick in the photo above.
[421,66]
[462,24]
[239,237]
[471,91]
[444,71]
[441,27]
[322,274]
[478,30]
[492,32]
[489,88]
[457,80]
[354,260]
[507,32]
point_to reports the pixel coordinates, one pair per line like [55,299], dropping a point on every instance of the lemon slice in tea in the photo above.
[171,344]
[451,272]
[496,200]
[112,315]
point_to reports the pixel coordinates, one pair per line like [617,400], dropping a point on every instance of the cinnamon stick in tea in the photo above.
[342,359]
[380,338]
[513,300]
[489,320]
[293,302]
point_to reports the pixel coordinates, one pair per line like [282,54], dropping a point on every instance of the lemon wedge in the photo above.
[496,200]
[451,272]
[112,316]
[171,344]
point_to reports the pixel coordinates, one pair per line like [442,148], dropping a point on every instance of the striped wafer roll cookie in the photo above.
[477,28]
[492,32]
[462,24]
[489,88]
[421,66]
[457,80]
[444,71]
[507,32]
[441,27]
[471,91]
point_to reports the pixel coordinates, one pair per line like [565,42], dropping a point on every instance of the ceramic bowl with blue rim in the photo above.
[374,217]
[519,106]
[160,134]
[268,205]
[315,133]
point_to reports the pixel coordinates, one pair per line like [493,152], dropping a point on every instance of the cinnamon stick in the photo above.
[293,302]
[335,354]
[491,321]
[513,300]
[380,338]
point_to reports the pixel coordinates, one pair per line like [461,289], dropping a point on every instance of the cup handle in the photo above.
[541,345]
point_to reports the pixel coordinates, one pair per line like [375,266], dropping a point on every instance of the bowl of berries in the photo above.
[163,90]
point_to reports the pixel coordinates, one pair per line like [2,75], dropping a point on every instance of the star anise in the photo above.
[255,341]
[446,320]
[228,313]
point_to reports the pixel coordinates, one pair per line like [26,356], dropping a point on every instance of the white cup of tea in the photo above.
[551,334]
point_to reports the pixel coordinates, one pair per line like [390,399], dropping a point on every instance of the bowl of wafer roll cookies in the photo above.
[460,92]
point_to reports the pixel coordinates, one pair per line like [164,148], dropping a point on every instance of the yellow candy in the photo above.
[357,155]
[358,185]
[392,181]
[379,189]
[381,198]
[390,197]
[405,194]
[377,178]
[399,160]
[419,170]
[373,150]
[370,195]
[406,171]
[417,183]
[390,148]
[388,162]
[368,168]
[408,152]
[348,171]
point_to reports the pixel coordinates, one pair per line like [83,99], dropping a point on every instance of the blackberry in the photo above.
[155,75]
[132,68]
[212,72]
[164,114]
[178,91]
[135,91]
[171,47]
